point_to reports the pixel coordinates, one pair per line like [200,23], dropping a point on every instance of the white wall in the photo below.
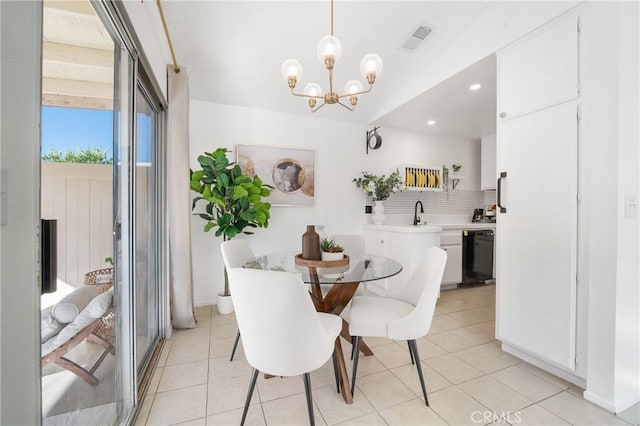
[610,116]
[20,37]
[339,157]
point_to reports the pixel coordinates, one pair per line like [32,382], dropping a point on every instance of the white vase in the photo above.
[225,305]
[326,256]
[378,213]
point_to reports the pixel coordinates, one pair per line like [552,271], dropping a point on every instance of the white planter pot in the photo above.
[332,256]
[225,305]
[378,213]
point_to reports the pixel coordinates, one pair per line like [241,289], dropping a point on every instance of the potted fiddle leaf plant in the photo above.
[233,203]
[330,250]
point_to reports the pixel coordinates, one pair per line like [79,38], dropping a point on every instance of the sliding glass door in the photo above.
[146,206]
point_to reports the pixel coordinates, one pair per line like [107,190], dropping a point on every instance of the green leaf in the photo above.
[195,200]
[265,192]
[197,175]
[205,161]
[248,215]
[239,192]
[209,226]
[223,180]
[242,179]
[254,198]
[232,231]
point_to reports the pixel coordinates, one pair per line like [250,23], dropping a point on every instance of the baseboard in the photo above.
[609,405]
[556,371]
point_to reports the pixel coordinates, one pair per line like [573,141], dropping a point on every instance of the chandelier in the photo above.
[329,51]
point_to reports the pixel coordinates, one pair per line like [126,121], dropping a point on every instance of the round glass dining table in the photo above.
[369,268]
[342,283]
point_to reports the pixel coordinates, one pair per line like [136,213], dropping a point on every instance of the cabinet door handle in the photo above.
[503,175]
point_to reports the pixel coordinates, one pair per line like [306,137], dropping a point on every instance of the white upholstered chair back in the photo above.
[421,290]
[235,253]
[281,331]
[353,244]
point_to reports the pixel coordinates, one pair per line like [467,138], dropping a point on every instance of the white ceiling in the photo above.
[233,51]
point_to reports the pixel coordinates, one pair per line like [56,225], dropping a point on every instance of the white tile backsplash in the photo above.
[453,202]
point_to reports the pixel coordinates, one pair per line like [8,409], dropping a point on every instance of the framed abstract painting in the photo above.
[289,170]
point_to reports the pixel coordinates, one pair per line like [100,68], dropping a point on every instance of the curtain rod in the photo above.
[176,68]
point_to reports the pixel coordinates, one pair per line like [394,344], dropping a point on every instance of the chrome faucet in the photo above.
[416,219]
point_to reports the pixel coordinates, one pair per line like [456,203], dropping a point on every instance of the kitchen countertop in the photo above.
[467,225]
[409,229]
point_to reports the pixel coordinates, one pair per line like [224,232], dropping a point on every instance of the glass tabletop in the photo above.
[370,268]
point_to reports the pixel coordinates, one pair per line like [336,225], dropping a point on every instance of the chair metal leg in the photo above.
[252,385]
[411,353]
[356,355]
[353,346]
[414,348]
[307,391]
[235,345]
[335,369]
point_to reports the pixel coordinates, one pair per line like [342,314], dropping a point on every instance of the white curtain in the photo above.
[179,201]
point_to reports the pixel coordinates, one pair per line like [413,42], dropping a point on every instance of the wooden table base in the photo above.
[334,302]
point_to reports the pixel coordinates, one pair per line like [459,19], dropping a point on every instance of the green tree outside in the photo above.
[92,155]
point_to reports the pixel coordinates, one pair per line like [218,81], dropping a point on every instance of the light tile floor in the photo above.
[470,380]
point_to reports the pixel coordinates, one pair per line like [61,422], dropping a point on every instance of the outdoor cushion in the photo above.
[94,310]
[49,326]
[68,308]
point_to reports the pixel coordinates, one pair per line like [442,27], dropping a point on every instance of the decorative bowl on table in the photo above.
[330,256]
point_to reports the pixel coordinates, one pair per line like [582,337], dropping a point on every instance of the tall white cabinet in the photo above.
[537,165]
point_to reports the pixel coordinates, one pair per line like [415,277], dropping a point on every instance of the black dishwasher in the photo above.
[477,256]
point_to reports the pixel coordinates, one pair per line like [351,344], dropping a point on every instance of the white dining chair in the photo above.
[282,333]
[235,253]
[353,245]
[404,314]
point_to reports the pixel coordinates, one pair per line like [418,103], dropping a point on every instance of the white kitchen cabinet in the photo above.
[539,71]
[406,244]
[537,162]
[488,162]
[451,242]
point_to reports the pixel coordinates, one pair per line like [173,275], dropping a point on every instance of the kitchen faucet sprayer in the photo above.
[416,219]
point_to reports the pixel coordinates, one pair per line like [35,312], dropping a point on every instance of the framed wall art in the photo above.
[290,171]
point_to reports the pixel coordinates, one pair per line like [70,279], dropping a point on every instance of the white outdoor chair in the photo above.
[282,333]
[234,254]
[405,314]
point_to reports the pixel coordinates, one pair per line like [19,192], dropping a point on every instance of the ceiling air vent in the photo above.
[417,37]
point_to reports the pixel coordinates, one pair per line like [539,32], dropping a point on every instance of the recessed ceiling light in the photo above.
[431,122]
[475,86]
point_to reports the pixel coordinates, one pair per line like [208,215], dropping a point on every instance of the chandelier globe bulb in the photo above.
[312,90]
[353,86]
[329,47]
[291,68]
[371,66]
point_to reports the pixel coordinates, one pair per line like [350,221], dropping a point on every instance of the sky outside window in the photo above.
[73,129]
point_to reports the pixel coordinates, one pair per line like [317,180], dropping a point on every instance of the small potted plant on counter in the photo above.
[331,250]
